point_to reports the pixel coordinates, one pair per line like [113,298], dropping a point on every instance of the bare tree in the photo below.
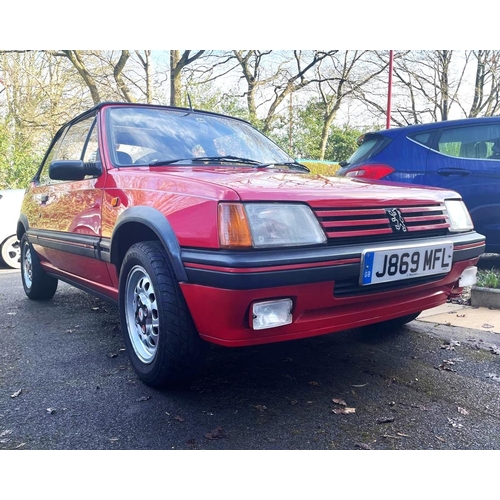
[96,67]
[486,100]
[178,61]
[429,82]
[275,75]
[340,77]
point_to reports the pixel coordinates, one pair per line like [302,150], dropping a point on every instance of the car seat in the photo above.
[123,158]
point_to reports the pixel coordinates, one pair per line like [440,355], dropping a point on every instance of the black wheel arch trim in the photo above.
[158,223]
[22,226]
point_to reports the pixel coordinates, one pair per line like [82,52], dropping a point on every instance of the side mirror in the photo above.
[73,170]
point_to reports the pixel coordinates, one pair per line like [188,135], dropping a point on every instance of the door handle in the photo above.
[453,171]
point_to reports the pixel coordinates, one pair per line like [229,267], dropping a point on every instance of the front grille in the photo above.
[360,224]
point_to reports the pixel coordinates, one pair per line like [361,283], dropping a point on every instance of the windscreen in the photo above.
[141,136]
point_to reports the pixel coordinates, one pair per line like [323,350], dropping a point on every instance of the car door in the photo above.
[67,221]
[463,159]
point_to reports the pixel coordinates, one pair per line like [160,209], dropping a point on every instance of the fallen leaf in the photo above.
[359,385]
[293,402]
[344,411]
[486,325]
[385,420]
[454,423]
[260,407]
[215,434]
[441,439]
[179,418]
[460,315]
[339,401]
[143,398]
[17,393]
[493,376]
[313,383]
[462,411]
[363,446]
[495,350]
[5,433]
[112,355]
[51,410]
[446,366]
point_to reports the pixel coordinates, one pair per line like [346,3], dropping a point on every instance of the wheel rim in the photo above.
[141,312]
[27,264]
[12,254]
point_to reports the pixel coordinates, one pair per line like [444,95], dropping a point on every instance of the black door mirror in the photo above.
[73,170]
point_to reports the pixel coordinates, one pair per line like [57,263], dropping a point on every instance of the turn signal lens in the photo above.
[234,231]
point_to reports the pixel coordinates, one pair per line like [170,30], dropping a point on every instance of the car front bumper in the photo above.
[322,284]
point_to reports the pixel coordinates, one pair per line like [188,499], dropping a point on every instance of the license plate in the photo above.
[380,265]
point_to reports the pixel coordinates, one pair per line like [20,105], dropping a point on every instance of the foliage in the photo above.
[208,97]
[321,168]
[341,142]
[18,161]
[488,278]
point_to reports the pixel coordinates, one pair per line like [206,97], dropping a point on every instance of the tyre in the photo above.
[11,253]
[393,324]
[37,284]
[159,333]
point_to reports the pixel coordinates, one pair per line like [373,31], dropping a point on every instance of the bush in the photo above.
[488,278]
[321,168]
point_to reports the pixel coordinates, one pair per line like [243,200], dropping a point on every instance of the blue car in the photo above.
[462,155]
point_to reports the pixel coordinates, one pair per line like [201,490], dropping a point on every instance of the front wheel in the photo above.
[393,324]
[159,333]
[37,284]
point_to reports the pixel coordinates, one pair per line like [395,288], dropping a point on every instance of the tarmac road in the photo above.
[66,384]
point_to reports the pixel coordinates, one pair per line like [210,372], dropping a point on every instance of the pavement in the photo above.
[481,319]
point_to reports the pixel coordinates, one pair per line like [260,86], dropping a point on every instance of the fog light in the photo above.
[271,314]
[468,277]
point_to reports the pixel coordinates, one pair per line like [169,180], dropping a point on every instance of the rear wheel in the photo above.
[159,333]
[37,284]
[11,253]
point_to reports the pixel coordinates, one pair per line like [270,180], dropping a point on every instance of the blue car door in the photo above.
[467,160]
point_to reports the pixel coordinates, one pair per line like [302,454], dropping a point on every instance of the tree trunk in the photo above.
[75,58]
[175,78]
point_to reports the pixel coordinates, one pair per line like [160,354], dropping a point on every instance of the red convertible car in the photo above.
[205,231]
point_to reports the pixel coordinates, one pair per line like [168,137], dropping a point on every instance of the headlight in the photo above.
[458,216]
[262,225]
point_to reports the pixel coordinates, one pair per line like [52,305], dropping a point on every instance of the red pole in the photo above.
[389,91]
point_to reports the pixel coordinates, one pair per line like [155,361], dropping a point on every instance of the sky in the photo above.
[221,24]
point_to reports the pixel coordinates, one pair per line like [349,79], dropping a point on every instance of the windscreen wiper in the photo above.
[290,164]
[203,159]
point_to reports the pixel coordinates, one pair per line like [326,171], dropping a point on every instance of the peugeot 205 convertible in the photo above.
[204,231]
